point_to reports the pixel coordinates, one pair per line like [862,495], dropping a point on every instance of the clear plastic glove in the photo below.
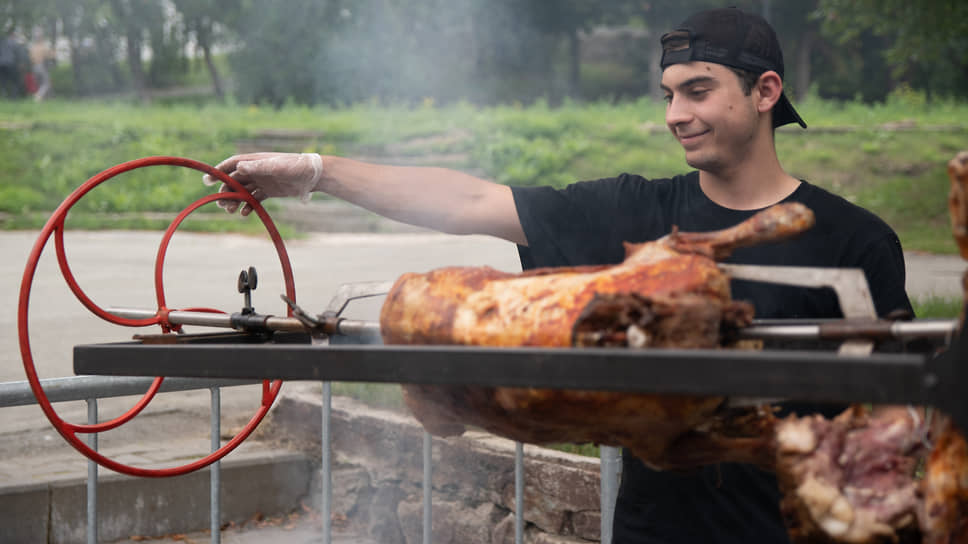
[268,175]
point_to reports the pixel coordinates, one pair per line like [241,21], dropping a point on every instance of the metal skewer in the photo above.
[836,329]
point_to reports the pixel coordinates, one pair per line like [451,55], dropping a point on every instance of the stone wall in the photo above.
[377,476]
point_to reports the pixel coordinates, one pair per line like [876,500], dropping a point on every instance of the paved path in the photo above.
[934,275]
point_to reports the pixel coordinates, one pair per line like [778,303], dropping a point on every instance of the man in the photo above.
[722,78]
[40,55]
[11,62]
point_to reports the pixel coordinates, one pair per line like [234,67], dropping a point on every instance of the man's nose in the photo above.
[677,112]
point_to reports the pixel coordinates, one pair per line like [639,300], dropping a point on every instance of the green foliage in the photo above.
[924,43]
[275,63]
[937,307]
[49,149]
[20,200]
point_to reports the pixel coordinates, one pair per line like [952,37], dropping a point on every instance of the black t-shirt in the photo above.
[586,223]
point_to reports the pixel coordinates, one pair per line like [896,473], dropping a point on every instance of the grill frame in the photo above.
[808,375]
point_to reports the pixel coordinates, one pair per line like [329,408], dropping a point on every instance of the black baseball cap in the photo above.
[731,37]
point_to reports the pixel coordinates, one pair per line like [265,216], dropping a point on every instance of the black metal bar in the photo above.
[806,375]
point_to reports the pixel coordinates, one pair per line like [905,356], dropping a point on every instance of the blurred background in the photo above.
[338,52]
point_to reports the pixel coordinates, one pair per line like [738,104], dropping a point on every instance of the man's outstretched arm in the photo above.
[437,198]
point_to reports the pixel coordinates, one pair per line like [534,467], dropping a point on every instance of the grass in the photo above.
[938,307]
[49,149]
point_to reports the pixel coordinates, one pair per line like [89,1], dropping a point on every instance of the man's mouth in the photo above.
[691,138]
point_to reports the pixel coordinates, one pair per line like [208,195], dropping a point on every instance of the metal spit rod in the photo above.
[853,328]
[347,327]
[832,329]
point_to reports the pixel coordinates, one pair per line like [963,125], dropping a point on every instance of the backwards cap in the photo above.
[731,37]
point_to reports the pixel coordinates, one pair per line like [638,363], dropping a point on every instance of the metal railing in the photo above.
[92,388]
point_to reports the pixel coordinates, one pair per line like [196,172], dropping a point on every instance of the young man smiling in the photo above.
[722,76]
[725,128]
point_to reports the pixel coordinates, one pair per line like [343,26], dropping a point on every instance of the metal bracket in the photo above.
[352,291]
[850,285]
[248,281]
[346,293]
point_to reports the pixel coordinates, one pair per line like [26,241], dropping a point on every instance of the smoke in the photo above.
[340,52]
[483,52]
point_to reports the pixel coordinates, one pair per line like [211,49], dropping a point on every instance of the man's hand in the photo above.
[268,175]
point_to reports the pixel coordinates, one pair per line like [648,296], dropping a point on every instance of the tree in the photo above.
[799,33]
[89,28]
[927,42]
[281,43]
[566,18]
[130,15]
[204,20]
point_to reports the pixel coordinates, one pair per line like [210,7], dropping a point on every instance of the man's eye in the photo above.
[698,92]
[667,98]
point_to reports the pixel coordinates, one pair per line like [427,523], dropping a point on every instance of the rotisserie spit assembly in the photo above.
[651,354]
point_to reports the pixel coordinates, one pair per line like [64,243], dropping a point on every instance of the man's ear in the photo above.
[767,91]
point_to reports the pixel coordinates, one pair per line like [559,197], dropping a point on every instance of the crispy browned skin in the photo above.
[958,200]
[667,293]
[482,306]
[771,225]
[944,512]
[958,211]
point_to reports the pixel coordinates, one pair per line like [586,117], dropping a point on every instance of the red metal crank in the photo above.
[55,227]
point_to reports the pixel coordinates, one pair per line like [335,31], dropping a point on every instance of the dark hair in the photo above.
[747,79]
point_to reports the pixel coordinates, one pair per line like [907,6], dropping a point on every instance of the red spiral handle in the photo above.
[55,227]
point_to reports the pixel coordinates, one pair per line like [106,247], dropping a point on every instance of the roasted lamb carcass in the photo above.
[667,293]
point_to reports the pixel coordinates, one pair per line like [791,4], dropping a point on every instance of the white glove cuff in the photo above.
[316,162]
